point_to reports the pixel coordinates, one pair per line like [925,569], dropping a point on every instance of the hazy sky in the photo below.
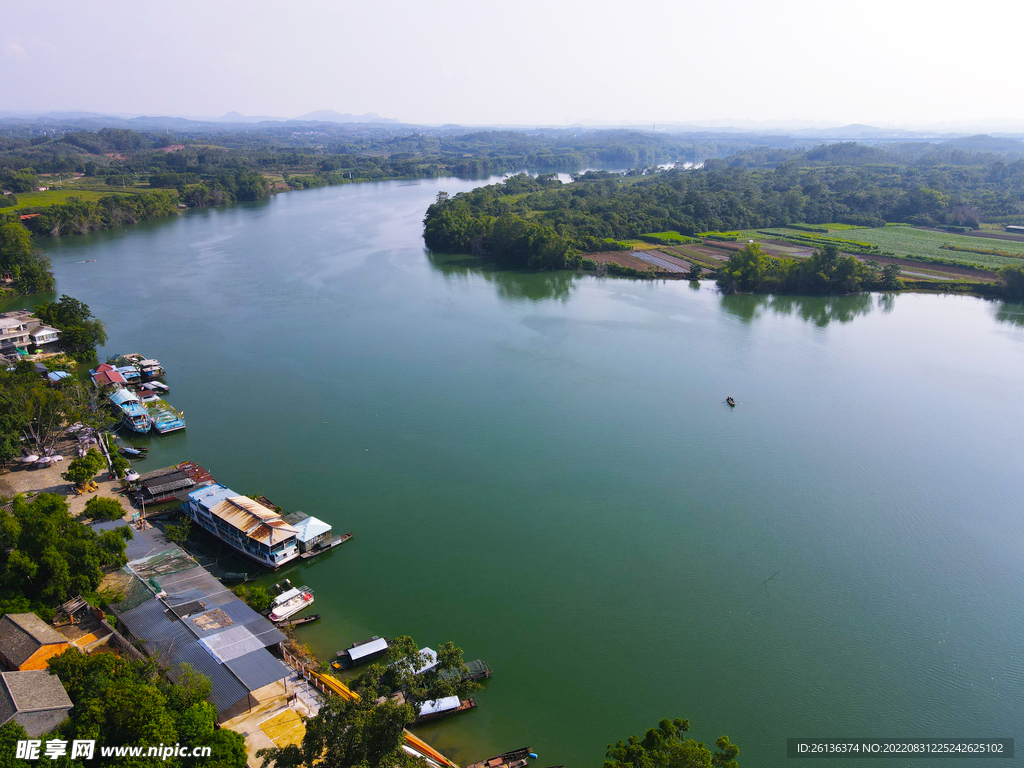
[521,61]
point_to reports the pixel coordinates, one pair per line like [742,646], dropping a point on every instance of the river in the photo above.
[541,468]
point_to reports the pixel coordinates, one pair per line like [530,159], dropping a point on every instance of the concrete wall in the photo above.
[38,723]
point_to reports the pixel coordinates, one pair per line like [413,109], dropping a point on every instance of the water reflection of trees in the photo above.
[512,285]
[820,310]
[1010,313]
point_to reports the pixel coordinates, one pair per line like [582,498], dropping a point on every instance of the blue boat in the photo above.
[164,417]
[133,414]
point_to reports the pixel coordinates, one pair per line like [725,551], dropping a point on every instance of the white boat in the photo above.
[291,602]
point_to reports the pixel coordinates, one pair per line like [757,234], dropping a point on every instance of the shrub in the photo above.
[104,508]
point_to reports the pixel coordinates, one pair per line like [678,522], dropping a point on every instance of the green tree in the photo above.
[667,746]
[360,734]
[80,471]
[80,331]
[120,465]
[47,556]
[103,508]
[1012,279]
[369,733]
[126,703]
[10,734]
[398,671]
[256,597]
[27,265]
[179,532]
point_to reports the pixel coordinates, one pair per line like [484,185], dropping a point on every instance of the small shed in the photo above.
[28,642]
[35,699]
[311,532]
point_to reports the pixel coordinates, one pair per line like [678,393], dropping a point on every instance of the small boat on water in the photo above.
[236,576]
[155,386]
[517,757]
[164,417]
[478,669]
[135,453]
[361,653]
[133,414]
[290,602]
[731,402]
[437,708]
[298,622]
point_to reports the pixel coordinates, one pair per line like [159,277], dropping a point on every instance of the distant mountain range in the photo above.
[320,116]
[167,121]
[799,131]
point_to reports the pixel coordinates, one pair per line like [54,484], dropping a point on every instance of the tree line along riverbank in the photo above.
[679,222]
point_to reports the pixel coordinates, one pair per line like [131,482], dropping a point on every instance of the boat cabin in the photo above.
[439,706]
[361,653]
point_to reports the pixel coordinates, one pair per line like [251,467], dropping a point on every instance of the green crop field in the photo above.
[52,197]
[903,241]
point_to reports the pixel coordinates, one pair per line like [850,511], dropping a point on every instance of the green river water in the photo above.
[541,468]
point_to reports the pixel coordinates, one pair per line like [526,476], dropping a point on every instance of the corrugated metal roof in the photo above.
[244,514]
[257,669]
[225,689]
[173,485]
[366,649]
[121,396]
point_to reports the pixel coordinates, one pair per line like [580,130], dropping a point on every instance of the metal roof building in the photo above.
[180,614]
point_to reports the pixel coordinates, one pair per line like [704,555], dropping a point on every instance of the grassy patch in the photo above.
[667,238]
[921,244]
[54,197]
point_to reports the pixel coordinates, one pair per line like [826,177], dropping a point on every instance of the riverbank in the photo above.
[528,458]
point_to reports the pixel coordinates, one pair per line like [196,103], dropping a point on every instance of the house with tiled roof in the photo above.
[28,642]
[34,699]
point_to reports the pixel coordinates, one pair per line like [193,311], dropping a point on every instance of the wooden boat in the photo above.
[731,402]
[298,622]
[437,708]
[516,757]
[135,453]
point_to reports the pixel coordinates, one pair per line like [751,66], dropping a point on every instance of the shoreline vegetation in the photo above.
[914,214]
[812,228]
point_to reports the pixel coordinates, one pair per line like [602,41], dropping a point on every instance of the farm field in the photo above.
[52,197]
[903,241]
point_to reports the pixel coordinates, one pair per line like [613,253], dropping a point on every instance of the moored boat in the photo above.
[148,367]
[506,759]
[291,602]
[361,653]
[478,669]
[164,417]
[299,622]
[437,708]
[731,402]
[133,414]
